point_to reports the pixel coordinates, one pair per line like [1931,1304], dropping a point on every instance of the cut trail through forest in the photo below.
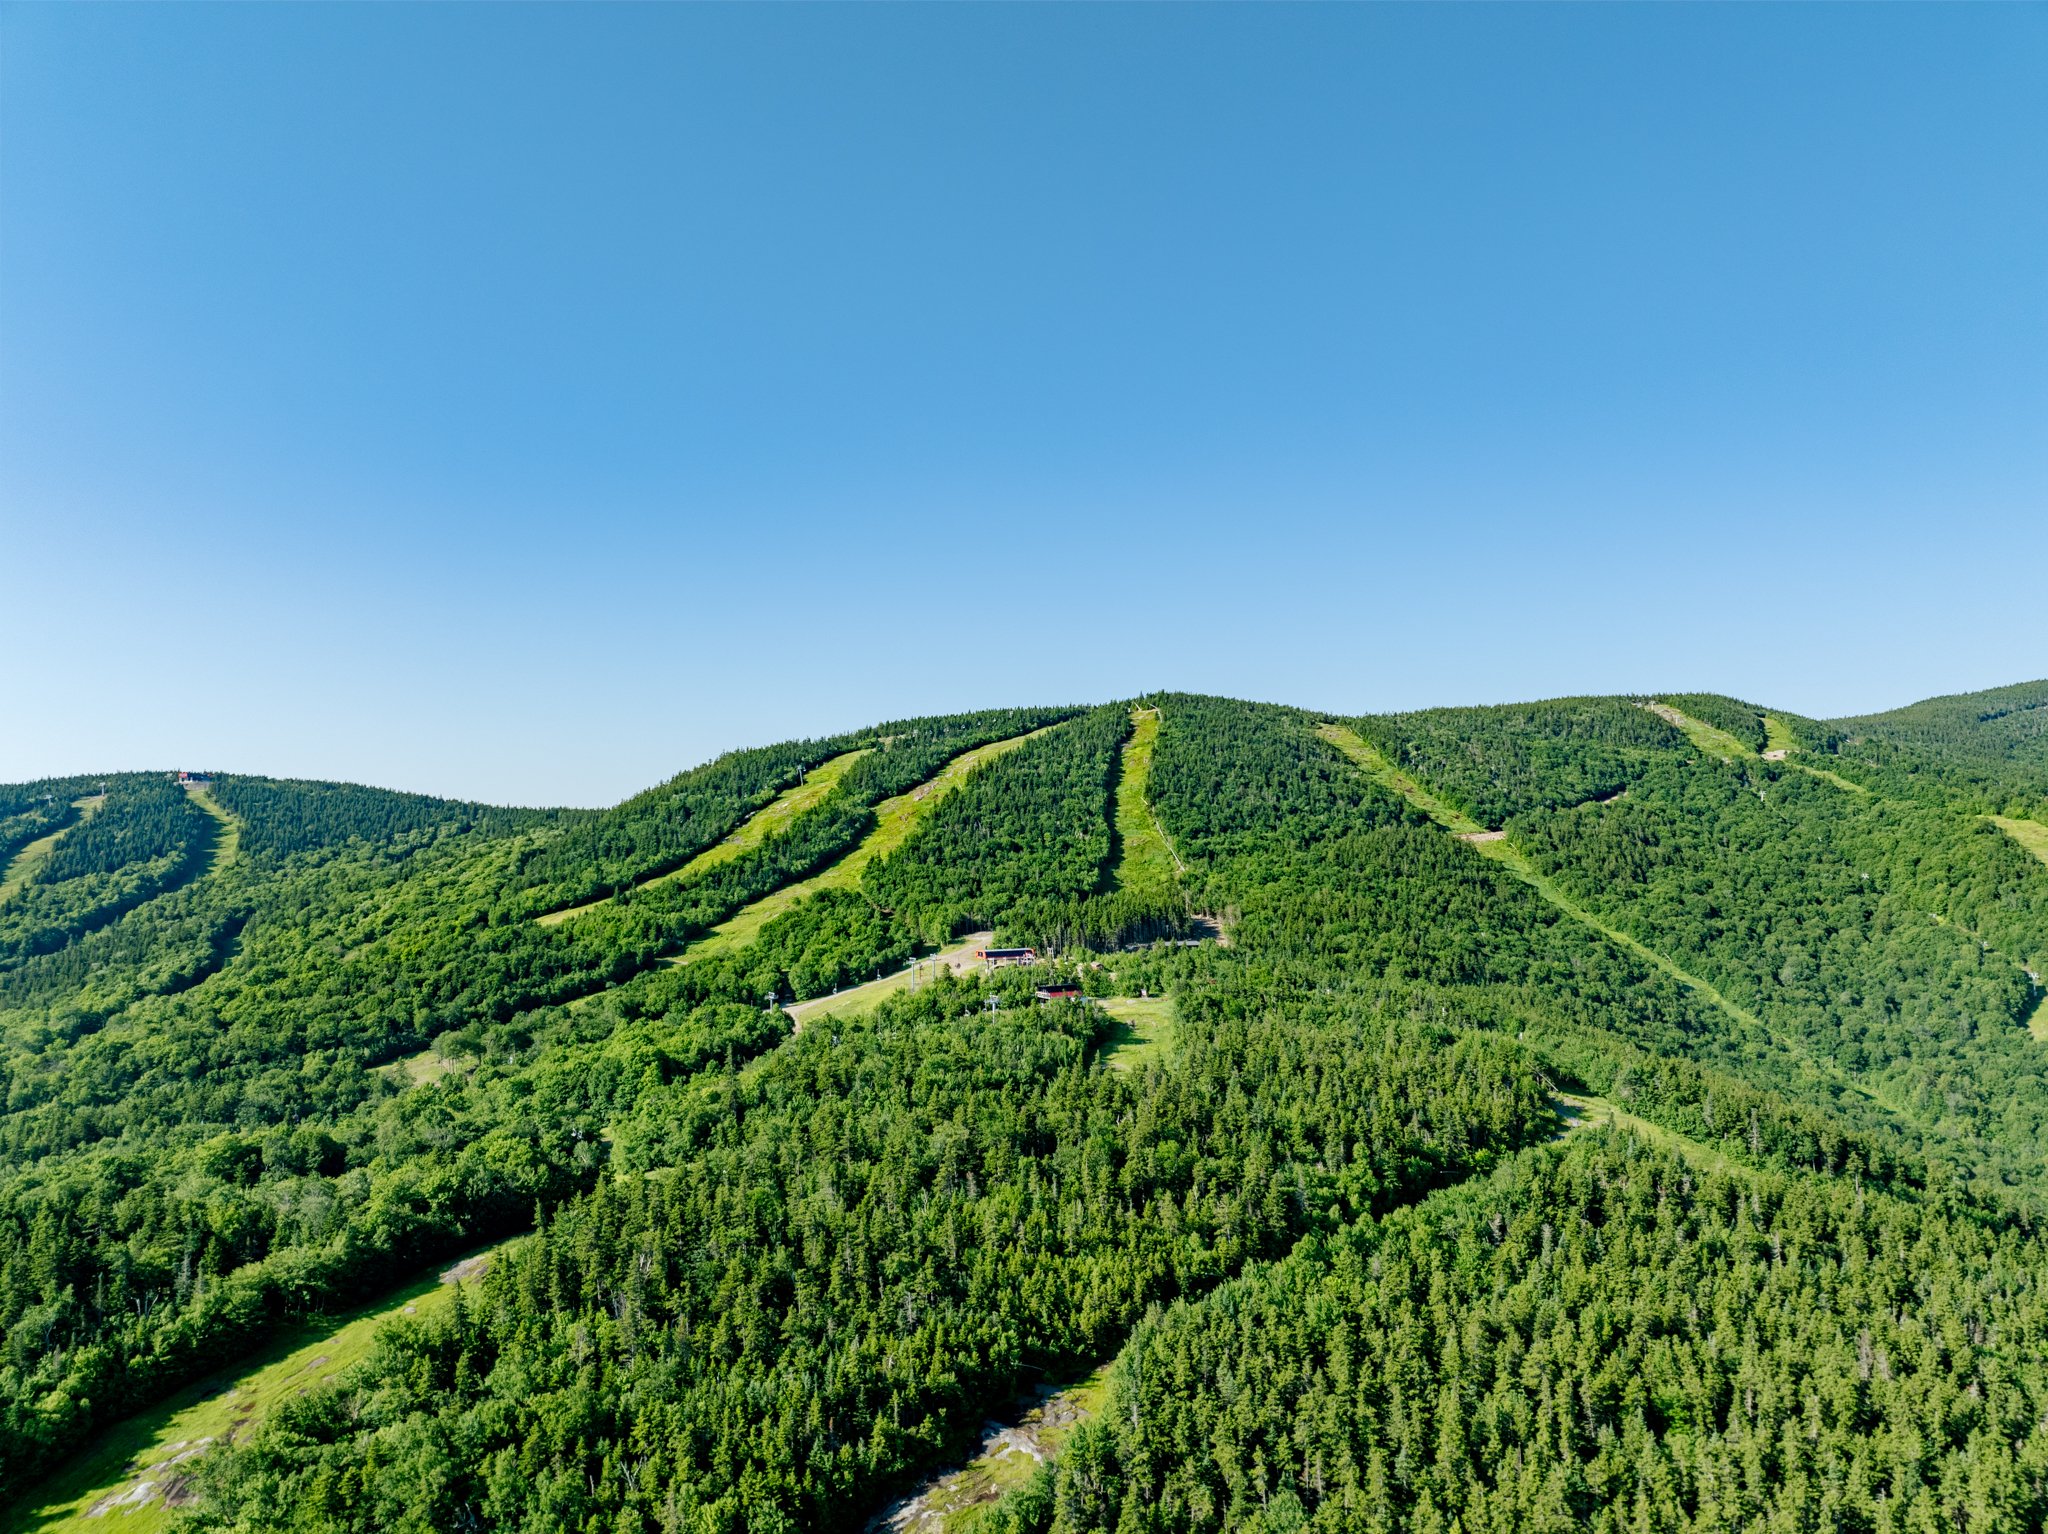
[895,819]
[859,1000]
[227,836]
[23,865]
[133,1480]
[1147,859]
[1010,1452]
[1499,849]
[772,817]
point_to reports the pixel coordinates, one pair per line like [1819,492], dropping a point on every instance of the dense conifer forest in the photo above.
[1617,1113]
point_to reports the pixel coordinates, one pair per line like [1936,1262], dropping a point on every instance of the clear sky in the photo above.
[527,402]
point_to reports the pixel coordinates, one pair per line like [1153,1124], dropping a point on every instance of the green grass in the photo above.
[895,819]
[955,1503]
[157,1444]
[1388,776]
[1143,1032]
[859,1000]
[1777,737]
[772,817]
[1587,1113]
[1500,850]
[2030,834]
[428,1065]
[1830,777]
[227,844]
[23,865]
[1147,860]
[1714,742]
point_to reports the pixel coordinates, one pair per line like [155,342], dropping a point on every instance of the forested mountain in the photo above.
[1602,1112]
[1986,749]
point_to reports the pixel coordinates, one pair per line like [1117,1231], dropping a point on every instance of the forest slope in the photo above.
[1303,1195]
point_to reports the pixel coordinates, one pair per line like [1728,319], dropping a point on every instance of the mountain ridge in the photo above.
[1764,935]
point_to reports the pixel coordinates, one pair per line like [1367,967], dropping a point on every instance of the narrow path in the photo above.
[139,1472]
[772,817]
[1010,1452]
[1147,858]
[1580,1113]
[859,1000]
[1715,742]
[1499,849]
[227,843]
[23,865]
[1779,745]
[895,819]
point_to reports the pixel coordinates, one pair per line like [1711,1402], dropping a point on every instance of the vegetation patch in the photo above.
[141,1471]
[1146,860]
[1714,742]
[1141,1033]
[25,864]
[895,819]
[1013,1453]
[773,818]
[2030,834]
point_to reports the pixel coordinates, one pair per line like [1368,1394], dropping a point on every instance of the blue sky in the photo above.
[528,402]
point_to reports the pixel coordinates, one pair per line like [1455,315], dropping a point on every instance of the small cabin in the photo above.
[1060,992]
[994,956]
[194,779]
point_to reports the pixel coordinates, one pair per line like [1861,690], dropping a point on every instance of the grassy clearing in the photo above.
[1388,776]
[765,822]
[1777,737]
[2030,834]
[227,845]
[1147,859]
[1831,777]
[895,819]
[1143,1033]
[1714,742]
[1595,1113]
[859,1000]
[429,1065]
[136,1464]
[954,1503]
[1499,849]
[23,865]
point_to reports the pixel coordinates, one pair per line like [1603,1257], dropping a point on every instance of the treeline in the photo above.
[850,1250]
[281,817]
[813,1279]
[1603,1337]
[1745,721]
[1845,923]
[1981,751]
[1235,783]
[31,811]
[128,1272]
[163,947]
[1492,763]
[341,963]
[1032,827]
[658,831]
[145,838]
